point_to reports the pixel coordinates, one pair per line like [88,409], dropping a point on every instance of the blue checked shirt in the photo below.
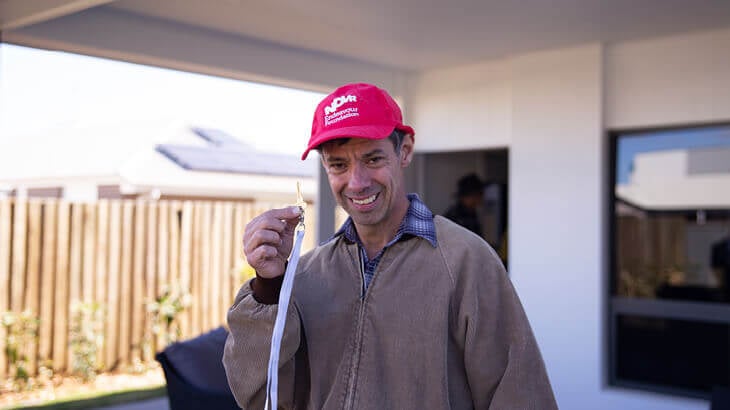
[417,222]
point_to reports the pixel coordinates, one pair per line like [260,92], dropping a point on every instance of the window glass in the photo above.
[672,215]
[680,354]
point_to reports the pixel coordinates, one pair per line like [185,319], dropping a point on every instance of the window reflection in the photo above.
[672,215]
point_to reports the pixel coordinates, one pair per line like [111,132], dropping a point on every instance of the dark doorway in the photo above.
[435,177]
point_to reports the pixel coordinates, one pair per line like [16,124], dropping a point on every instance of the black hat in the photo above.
[469,184]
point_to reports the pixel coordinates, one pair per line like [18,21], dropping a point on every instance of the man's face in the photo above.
[366,178]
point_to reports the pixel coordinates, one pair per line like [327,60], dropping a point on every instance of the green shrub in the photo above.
[166,309]
[21,334]
[86,338]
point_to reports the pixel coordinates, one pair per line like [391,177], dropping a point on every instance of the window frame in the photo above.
[702,312]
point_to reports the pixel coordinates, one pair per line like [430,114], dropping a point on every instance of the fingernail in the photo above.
[295,210]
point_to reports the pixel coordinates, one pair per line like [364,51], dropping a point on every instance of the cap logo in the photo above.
[331,115]
[338,102]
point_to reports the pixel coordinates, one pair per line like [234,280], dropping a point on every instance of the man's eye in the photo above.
[375,160]
[336,167]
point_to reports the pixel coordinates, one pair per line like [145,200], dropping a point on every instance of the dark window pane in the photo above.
[672,353]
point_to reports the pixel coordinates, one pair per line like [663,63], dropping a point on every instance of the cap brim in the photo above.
[371,132]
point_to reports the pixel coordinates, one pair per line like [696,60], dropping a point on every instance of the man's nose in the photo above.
[359,178]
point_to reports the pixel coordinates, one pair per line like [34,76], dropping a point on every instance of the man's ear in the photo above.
[406,151]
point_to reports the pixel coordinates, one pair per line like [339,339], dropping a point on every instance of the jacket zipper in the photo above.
[350,396]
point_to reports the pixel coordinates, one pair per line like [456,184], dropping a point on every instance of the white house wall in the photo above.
[467,107]
[553,109]
[669,80]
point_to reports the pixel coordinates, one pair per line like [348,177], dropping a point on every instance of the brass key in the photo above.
[301,204]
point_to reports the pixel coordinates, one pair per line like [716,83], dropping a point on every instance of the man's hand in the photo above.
[268,240]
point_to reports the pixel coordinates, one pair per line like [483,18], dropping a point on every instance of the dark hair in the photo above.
[469,184]
[396,137]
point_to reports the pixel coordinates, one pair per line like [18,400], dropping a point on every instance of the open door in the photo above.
[435,177]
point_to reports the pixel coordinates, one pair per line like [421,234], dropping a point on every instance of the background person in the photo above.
[469,197]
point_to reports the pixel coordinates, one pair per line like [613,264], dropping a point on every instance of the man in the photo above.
[399,310]
[469,196]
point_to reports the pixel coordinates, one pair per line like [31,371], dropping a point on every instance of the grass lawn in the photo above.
[106,390]
[87,401]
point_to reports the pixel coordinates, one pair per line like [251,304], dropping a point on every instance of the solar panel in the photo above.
[217,137]
[238,161]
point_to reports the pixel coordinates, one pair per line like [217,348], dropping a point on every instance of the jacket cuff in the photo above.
[266,291]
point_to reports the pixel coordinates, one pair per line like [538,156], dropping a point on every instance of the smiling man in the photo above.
[400,309]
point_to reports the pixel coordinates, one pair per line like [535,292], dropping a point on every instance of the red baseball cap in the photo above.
[355,111]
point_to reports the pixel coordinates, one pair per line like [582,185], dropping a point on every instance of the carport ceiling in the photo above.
[416,34]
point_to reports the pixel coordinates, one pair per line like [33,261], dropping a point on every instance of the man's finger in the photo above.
[290,212]
[263,237]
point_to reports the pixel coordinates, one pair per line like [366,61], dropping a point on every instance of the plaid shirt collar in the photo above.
[417,222]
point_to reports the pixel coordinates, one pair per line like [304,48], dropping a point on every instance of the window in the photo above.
[669,313]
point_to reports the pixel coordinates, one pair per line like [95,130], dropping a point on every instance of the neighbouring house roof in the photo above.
[675,180]
[226,154]
[176,160]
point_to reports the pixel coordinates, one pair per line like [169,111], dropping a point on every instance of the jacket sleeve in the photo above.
[503,364]
[246,353]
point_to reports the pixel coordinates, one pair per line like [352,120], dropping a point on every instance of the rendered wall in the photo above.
[553,109]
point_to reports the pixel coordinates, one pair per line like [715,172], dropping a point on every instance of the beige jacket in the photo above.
[438,328]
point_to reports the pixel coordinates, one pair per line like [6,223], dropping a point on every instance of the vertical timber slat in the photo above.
[17,281]
[5,224]
[204,274]
[112,299]
[216,267]
[74,282]
[196,263]
[228,264]
[125,296]
[150,274]
[60,311]
[102,264]
[47,283]
[163,248]
[89,255]
[34,235]
[138,274]
[185,260]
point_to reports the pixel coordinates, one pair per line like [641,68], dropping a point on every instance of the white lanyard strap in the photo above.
[272,382]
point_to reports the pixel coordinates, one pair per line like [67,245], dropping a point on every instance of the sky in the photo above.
[630,145]
[45,92]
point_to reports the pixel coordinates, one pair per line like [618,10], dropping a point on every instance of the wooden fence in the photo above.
[120,254]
